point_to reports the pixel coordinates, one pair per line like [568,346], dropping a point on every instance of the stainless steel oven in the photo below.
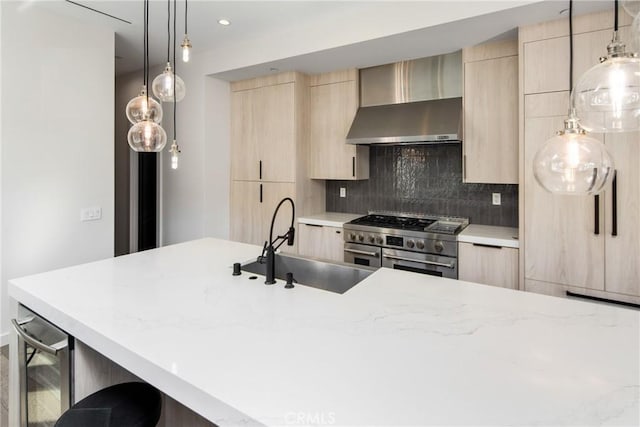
[434,265]
[368,255]
[45,360]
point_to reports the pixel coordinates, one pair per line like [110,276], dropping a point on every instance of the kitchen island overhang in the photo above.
[397,349]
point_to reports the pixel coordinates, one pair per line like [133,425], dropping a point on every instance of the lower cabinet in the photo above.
[253,204]
[319,241]
[489,265]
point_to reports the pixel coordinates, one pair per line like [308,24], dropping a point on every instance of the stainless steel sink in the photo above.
[318,274]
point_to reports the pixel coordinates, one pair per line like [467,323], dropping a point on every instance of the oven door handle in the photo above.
[355,251]
[51,349]
[438,264]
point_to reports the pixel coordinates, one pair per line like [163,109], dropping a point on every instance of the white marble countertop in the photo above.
[329,219]
[490,235]
[397,349]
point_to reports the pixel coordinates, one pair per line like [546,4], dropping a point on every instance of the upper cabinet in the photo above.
[333,105]
[263,131]
[490,146]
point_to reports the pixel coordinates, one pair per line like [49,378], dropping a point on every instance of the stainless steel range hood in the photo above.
[410,102]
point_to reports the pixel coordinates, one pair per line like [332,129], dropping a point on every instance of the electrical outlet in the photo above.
[496,199]
[91,214]
[343,192]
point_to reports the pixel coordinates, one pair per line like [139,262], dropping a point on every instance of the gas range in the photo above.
[420,243]
[384,229]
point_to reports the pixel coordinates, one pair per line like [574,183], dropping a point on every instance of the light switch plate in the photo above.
[91,214]
[343,192]
[496,199]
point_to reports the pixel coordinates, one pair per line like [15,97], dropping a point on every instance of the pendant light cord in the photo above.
[185,16]
[168,30]
[615,16]
[146,47]
[570,46]
[175,72]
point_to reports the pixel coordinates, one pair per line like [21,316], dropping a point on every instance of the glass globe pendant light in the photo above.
[143,106]
[632,7]
[572,163]
[607,96]
[168,86]
[147,136]
[163,86]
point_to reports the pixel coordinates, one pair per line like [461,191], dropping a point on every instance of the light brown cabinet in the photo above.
[263,131]
[488,265]
[490,145]
[252,207]
[320,241]
[333,105]
[269,149]
[568,242]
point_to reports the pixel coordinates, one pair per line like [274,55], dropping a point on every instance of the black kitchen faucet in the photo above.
[270,250]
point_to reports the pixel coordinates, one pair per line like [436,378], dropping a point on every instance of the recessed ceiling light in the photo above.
[224,22]
[563,12]
[274,69]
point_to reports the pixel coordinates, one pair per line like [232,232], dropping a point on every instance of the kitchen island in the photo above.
[397,349]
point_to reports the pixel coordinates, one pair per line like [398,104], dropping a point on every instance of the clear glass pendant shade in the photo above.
[607,96]
[186,47]
[147,136]
[573,163]
[142,107]
[163,86]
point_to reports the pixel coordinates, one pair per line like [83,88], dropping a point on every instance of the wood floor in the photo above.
[4,384]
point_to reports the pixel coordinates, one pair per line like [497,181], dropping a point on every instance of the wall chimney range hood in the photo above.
[410,102]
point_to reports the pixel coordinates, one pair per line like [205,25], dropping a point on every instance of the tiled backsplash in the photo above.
[424,179]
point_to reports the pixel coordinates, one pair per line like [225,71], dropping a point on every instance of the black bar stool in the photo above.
[123,405]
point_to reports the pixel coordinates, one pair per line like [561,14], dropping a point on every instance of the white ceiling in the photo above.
[337,34]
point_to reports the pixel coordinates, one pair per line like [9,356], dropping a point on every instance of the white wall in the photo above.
[196,196]
[57,141]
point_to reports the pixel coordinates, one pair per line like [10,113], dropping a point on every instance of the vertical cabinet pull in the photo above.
[464,168]
[614,204]
[596,214]
[353,166]
[260,193]
[260,168]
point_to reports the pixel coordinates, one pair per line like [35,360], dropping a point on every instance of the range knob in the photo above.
[379,240]
[352,236]
[361,237]
[420,244]
[438,246]
[410,243]
[372,238]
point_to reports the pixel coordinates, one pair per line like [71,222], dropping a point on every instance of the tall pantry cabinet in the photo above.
[568,242]
[269,148]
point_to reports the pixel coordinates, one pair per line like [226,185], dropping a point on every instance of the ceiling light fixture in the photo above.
[224,22]
[163,85]
[607,96]
[146,134]
[571,162]
[186,43]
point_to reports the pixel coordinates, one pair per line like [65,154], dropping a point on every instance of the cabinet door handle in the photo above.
[366,253]
[260,168]
[353,166]
[260,193]
[464,168]
[313,225]
[614,204]
[596,214]
[484,245]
